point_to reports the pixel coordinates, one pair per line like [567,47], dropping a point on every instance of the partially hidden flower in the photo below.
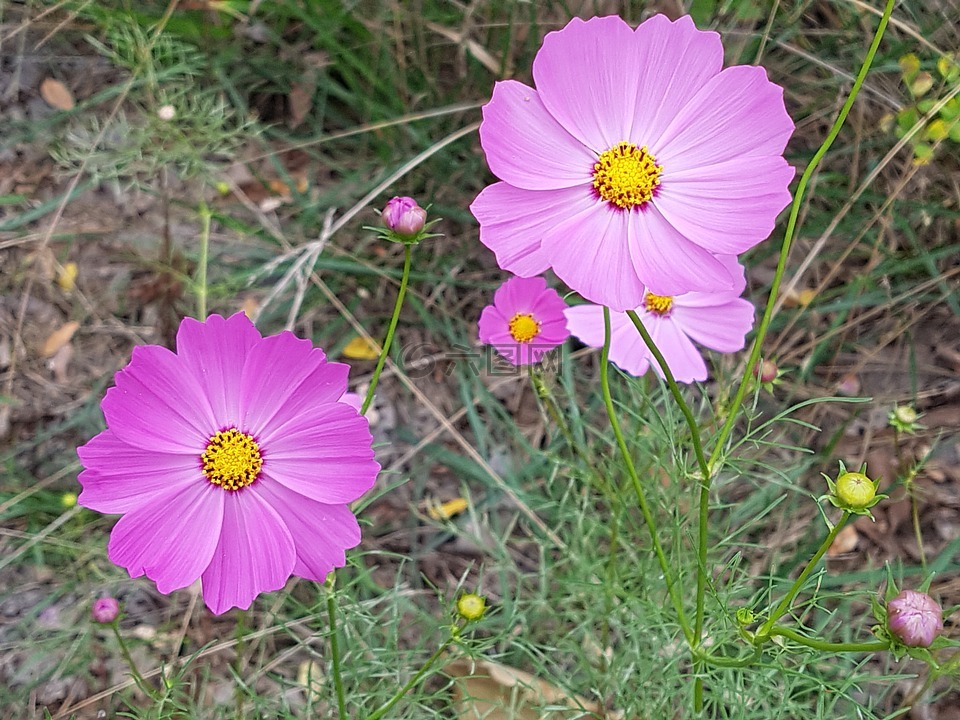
[636,160]
[915,618]
[404,216]
[719,321]
[231,460]
[105,610]
[525,321]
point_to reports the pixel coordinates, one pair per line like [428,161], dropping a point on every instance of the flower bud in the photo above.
[105,610]
[766,371]
[855,490]
[403,216]
[471,606]
[915,618]
[903,418]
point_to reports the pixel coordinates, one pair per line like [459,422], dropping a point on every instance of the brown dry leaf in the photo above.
[447,510]
[68,276]
[301,102]
[310,677]
[846,541]
[56,94]
[59,362]
[58,338]
[485,690]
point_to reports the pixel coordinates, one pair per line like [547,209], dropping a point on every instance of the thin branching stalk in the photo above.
[407,258]
[829,647]
[205,216]
[421,673]
[637,486]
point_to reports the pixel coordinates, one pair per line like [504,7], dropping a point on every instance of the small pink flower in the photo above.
[915,618]
[525,321]
[105,610]
[231,460]
[404,216]
[719,321]
[634,162]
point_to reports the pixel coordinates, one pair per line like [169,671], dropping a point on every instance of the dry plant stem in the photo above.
[205,216]
[407,256]
[790,232]
[764,632]
[335,648]
[637,486]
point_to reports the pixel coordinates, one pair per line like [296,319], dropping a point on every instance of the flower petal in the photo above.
[591,252]
[326,384]
[492,324]
[120,477]
[513,222]
[215,351]
[738,112]
[627,349]
[327,457]
[605,83]
[321,532]
[526,147]
[670,264]
[722,327]
[682,356]
[172,538]
[728,207]
[518,295]
[255,554]
[157,404]
[274,370]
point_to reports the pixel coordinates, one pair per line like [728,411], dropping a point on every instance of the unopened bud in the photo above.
[403,216]
[915,618]
[766,371]
[471,606]
[855,490]
[105,610]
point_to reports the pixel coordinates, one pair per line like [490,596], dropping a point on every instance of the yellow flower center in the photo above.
[232,459]
[626,175]
[658,304]
[523,327]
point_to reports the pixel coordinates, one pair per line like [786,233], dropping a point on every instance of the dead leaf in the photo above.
[485,690]
[301,102]
[59,362]
[310,677]
[845,542]
[68,276]
[447,510]
[360,349]
[58,338]
[56,94]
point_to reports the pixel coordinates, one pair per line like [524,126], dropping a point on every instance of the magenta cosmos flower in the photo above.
[719,321]
[525,321]
[915,618]
[231,461]
[635,161]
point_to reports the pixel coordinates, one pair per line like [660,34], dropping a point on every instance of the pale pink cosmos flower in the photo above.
[719,321]
[404,216]
[525,321]
[231,460]
[634,163]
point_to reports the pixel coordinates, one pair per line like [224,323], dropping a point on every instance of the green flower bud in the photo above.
[471,606]
[855,490]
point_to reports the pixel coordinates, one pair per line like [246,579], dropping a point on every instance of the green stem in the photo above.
[701,461]
[824,646]
[137,676]
[635,480]
[407,256]
[240,634]
[205,216]
[719,661]
[335,648]
[784,605]
[385,708]
[544,393]
[748,375]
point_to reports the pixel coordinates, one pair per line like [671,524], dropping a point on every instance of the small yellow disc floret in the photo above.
[524,327]
[657,304]
[626,175]
[232,459]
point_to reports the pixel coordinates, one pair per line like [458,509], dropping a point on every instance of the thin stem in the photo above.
[824,646]
[635,480]
[138,678]
[545,394]
[407,257]
[784,605]
[385,708]
[205,216]
[701,461]
[789,234]
[335,649]
[240,634]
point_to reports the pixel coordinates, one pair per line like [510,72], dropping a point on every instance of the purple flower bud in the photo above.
[105,610]
[404,216]
[767,371]
[915,618]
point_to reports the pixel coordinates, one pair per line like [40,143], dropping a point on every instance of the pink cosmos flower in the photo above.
[634,163]
[231,460]
[915,618]
[719,321]
[525,321]
[404,216]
